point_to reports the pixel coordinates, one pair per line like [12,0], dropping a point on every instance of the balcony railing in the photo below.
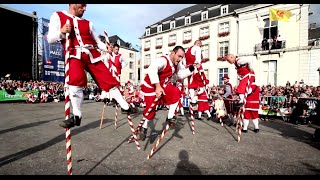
[270,46]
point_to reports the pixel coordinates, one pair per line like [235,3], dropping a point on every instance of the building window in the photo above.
[224,27]
[270,29]
[118,42]
[172,40]
[159,54]
[205,52]
[187,20]
[186,37]
[204,33]
[172,24]
[131,55]
[131,65]
[224,9]
[131,76]
[147,59]
[223,48]
[148,44]
[222,72]
[204,15]
[269,72]
[148,32]
[158,43]
[159,28]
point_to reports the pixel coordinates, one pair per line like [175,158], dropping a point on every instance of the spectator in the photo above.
[32,98]
[43,97]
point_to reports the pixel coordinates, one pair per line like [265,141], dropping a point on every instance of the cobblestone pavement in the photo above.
[32,143]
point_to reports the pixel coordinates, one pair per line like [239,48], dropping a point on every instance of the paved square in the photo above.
[32,143]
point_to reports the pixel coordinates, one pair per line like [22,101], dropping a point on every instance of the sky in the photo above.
[128,21]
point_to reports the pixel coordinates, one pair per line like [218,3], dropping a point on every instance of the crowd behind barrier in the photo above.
[275,100]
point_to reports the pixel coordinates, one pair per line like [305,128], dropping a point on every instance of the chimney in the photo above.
[313,26]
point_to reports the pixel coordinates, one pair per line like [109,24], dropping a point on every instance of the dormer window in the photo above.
[159,28]
[148,32]
[204,15]
[224,10]
[118,42]
[187,20]
[172,24]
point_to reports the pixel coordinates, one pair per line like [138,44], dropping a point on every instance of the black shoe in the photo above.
[199,118]
[71,122]
[171,121]
[78,120]
[209,118]
[106,101]
[256,130]
[245,131]
[129,111]
[143,134]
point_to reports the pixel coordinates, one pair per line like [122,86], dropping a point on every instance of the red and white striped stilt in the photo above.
[159,140]
[116,117]
[133,132]
[102,114]
[67,104]
[243,107]
[162,135]
[192,117]
[138,128]
[144,119]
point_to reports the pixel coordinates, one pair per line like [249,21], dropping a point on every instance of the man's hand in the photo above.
[66,28]
[159,90]
[197,65]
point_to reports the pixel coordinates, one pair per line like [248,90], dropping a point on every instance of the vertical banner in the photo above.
[52,57]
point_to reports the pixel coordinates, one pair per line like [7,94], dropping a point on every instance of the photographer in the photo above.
[298,110]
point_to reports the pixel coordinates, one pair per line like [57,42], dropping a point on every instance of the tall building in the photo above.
[130,72]
[239,29]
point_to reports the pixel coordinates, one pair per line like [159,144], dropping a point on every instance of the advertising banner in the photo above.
[52,58]
[18,95]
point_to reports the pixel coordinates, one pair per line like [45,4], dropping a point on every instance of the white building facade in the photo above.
[238,29]
[130,72]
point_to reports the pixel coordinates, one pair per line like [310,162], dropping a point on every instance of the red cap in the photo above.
[129,82]
[225,77]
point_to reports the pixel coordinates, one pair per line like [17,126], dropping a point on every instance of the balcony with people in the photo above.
[272,41]
[271,45]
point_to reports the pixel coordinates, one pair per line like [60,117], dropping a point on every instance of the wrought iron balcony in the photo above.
[270,47]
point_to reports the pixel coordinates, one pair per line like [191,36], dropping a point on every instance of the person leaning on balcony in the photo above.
[245,74]
[194,57]
[264,44]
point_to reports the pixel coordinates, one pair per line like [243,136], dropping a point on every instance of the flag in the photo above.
[279,15]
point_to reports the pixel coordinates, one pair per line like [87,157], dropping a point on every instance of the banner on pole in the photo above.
[52,57]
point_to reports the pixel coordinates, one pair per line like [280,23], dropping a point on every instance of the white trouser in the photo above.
[76,98]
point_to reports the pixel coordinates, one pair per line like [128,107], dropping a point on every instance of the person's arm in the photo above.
[100,44]
[196,50]
[54,33]
[123,62]
[183,72]
[201,90]
[155,67]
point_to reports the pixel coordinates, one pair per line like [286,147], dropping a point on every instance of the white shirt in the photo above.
[243,61]
[160,64]
[228,92]
[196,50]
[54,33]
